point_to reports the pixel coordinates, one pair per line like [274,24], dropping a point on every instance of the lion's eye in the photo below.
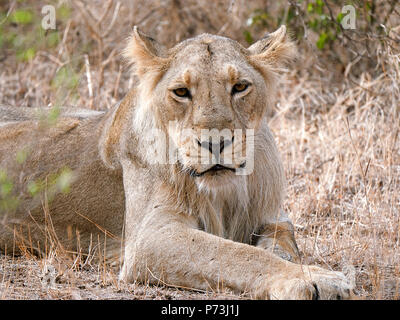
[182,92]
[239,87]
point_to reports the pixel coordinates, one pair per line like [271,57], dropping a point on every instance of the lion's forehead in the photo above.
[206,52]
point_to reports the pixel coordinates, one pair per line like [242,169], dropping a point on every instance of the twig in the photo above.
[114,18]
[116,86]
[101,18]
[89,80]
[363,171]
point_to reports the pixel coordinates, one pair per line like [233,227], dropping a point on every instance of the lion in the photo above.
[207,215]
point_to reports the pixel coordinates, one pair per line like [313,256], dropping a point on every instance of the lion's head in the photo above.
[206,97]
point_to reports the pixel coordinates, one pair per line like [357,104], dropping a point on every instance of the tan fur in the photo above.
[205,231]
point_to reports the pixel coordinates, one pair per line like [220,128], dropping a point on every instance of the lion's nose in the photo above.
[215,148]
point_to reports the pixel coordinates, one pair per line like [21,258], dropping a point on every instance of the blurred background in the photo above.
[336,119]
[42,67]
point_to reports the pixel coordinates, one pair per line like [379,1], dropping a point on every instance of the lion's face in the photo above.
[208,99]
[209,96]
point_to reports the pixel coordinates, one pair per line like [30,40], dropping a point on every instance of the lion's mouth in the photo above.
[214,169]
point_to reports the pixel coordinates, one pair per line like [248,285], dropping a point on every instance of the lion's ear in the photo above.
[145,53]
[275,50]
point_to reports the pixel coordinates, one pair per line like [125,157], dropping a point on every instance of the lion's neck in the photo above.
[226,213]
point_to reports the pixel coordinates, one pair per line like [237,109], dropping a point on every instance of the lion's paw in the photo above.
[312,283]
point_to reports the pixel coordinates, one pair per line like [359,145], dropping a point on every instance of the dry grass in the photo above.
[338,135]
[342,153]
[52,278]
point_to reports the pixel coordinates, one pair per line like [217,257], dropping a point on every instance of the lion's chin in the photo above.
[216,180]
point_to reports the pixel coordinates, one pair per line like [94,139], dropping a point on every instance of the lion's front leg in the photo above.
[279,238]
[167,250]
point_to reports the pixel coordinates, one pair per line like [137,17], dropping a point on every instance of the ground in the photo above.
[24,278]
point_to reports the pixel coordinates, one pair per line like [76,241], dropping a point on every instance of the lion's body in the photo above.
[71,143]
[187,222]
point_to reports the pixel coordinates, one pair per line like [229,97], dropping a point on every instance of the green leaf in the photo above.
[3,176]
[33,188]
[27,55]
[339,17]
[323,37]
[9,204]
[6,188]
[22,16]
[64,180]
[53,115]
[248,37]
[66,78]
[319,7]
[21,156]
[53,39]
[314,24]
[63,12]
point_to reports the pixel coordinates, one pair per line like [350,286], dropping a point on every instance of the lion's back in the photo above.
[15,114]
